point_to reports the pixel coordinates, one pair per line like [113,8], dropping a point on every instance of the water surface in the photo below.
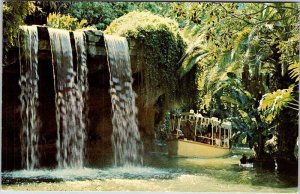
[160,173]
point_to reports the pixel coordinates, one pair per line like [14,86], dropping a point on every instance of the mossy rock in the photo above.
[162,47]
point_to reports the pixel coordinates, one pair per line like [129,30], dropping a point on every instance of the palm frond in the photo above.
[273,103]
[241,38]
[294,70]
[190,62]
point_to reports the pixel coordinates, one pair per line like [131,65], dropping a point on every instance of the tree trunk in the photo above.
[260,152]
[287,135]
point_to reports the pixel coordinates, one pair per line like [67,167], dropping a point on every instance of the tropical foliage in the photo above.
[14,13]
[101,14]
[294,71]
[272,103]
[243,53]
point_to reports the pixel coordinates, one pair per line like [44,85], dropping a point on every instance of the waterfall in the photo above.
[29,97]
[82,84]
[127,145]
[82,73]
[70,86]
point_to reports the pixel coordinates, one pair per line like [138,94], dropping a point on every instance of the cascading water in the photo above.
[29,97]
[82,74]
[82,85]
[70,117]
[127,145]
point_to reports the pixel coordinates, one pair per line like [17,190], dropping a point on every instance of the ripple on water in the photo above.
[46,175]
[58,175]
[178,174]
[138,172]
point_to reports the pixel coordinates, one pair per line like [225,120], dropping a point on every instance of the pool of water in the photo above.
[159,173]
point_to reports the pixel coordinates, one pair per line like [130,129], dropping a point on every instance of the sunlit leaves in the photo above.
[14,13]
[64,22]
[252,44]
[241,37]
[294,70]
[272,104]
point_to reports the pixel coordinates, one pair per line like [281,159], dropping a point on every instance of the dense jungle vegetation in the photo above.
[245,57]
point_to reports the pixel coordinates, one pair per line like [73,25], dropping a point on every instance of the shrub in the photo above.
[64,22]
[14,13]
[99,14]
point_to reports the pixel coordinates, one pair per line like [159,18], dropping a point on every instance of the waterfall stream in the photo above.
[82,75]
[29,97]
[70,87]
[71,94]
[127,145]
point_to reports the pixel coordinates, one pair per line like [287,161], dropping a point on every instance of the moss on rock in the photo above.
[161,48]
